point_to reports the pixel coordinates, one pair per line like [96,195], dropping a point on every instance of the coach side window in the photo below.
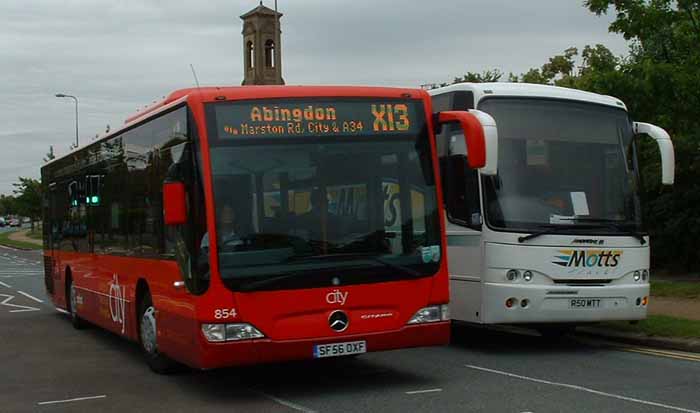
[460,184]
[462,187]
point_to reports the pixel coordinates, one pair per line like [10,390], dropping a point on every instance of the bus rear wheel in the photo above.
[72,300]
[148,335]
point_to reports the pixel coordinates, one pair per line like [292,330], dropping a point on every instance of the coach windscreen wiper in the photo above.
[615,224]
[549,229]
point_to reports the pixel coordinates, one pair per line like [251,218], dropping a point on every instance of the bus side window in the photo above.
[461,186]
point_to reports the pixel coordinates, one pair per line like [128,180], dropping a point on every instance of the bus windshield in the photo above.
[316,206]
[562,165]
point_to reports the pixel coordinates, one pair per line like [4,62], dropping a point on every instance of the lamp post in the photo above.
[61,95]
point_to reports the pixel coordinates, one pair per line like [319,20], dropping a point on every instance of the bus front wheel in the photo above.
[148,335]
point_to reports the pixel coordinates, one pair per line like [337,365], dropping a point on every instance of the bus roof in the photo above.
[223,93]
[214,94]
[482,90]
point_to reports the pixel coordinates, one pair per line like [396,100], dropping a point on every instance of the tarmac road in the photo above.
[48,366]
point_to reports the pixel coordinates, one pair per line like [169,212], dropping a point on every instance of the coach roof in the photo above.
[531,90]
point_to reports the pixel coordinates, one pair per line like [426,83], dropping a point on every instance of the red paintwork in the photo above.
[174,203]
[293,321]
[474,135]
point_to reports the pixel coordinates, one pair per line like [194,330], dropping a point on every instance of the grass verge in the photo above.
[679,289]
[35,235]
[660,326]
[5,240]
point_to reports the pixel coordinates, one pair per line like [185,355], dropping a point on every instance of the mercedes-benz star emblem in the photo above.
[338,321]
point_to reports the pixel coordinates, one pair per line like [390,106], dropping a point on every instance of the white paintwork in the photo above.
[479,260]
[491,141]
[482,90]
[668,158]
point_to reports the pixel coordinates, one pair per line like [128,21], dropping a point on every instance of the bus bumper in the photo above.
[563,304]
[216,355]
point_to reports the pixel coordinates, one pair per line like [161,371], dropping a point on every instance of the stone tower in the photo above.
[262,54]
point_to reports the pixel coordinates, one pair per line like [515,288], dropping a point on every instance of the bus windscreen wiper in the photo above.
[615,224]
[256,284]
[368,256]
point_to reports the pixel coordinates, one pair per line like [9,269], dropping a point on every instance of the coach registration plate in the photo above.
[340,349]
[584,303]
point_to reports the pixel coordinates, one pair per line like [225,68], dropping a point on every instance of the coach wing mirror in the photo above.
[174,203]
[480,138]
[668,158]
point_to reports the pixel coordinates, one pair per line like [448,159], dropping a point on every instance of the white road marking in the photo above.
[31,297]
[78,399]
[5,285]
[283,402]
[22,308]
[584,389]
[424,391]
[62,311]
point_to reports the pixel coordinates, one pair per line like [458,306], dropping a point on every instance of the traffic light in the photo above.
[94,190]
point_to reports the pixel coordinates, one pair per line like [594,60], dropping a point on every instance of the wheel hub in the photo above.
[73,302]
[148,331]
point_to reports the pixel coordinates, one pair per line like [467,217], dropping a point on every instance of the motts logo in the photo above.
[588,258]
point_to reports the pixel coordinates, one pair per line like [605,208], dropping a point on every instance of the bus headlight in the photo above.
[645,275]
[527,276]
[242,331]
[216,333]
[431,314]
[637,276]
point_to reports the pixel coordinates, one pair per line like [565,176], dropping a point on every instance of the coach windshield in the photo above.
[324,198]
[563,164]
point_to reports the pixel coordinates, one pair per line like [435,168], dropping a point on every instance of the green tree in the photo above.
[485,77]
[7,205]
[659,82]
[28,198]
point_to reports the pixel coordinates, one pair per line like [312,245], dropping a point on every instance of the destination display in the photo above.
[312,118]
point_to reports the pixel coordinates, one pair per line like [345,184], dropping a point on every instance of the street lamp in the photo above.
[61,95]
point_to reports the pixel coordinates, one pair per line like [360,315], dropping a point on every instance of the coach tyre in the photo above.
[77,322]
[158,362]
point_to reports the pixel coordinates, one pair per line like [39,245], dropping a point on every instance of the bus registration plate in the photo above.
[340,349]
[584,303]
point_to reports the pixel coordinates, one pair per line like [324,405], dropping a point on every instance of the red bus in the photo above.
[239,225]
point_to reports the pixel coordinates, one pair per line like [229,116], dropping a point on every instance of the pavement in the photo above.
[21,235]
[47,366]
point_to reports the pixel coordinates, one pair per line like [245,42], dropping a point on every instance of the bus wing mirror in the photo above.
[480,136]
[174,203]
[668,158]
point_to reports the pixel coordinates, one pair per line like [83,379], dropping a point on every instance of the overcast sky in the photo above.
[119,55]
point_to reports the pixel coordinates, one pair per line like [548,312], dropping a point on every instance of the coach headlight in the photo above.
[512,275]
[637,276]
[431,314]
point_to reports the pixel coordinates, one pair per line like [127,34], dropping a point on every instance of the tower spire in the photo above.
[262,58]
